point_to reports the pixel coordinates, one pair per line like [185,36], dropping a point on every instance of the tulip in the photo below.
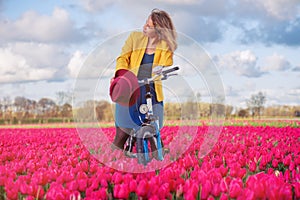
[287,160]
[193,190]
[179,191]
[223,170]
[235,189]
[223,186]
[142,188]
[297,190]
[275,163]
[12,193]
[241,173]
[121,191]
[206,189]
[224,197]
[216,191]
[154,197]
[252,166]
[285,192]
[117,178]
[82,184]
[259,190]
[247,194]
[72,185]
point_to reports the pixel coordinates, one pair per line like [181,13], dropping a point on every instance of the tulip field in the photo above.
[250,160]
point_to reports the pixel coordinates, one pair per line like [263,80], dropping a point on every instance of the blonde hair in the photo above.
[164,27]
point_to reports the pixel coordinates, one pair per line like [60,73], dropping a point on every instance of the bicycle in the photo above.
[149,133]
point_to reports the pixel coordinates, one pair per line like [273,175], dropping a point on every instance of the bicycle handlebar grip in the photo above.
[170,70]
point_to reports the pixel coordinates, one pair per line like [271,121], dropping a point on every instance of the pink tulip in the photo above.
[252,166]
[72,185]
[142,188]
[121,191]
[223,170]
[154,197]
[117,178]
[235,189]
[103,183]
[224,197]
[287,160]
[12,193]
[275,163]
[216,191]
[56,192]
[259,190]
[287,175]
[179,191]
[82,184]
[192,190]
[247,194]
[210,198]
[297,190]
[223,186]
[206,189]
[285,192]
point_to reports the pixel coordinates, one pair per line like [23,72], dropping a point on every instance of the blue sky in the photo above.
[254,44]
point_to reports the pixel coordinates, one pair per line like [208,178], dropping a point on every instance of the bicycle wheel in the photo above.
[142,137]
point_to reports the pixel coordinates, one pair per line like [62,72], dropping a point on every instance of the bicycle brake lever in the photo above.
[166,76]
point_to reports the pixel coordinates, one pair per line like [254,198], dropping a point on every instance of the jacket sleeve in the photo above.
[169,58]
[123,60]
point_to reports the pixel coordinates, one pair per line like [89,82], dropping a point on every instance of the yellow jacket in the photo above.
[133,52]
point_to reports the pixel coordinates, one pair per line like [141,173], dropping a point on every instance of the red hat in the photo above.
[124,89]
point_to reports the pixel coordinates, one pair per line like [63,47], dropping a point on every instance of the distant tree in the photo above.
[20,103]
[243,113]
[66,110]
[229,111]
[6,107]
[103,111]
[256,103]
[86,113]
[63,98]
[46,106]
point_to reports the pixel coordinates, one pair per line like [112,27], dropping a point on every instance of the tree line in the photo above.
[46,110]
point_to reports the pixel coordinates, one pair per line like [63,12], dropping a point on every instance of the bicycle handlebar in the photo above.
[170,70]
[165,74]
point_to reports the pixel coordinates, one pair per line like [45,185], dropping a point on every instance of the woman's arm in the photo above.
[123,60]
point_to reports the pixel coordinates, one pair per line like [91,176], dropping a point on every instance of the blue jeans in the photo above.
[130,117]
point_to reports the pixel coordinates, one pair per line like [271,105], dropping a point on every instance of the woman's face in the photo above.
[148,28]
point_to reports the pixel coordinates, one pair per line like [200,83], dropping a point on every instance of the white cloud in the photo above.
[15,68]
[294,92]
[40,55]
[280,9]
[32,26]
[31,62]
[75,63]
[241,62]
[92,6]
[276,62]
[187,2]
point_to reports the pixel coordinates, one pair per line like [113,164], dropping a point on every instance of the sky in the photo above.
[254,44]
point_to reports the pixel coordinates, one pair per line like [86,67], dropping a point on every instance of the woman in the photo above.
[142,52]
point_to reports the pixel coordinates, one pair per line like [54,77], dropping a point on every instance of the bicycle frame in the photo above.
[145,134]
[152,121]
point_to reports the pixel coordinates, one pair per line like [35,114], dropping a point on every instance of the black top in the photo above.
[145,70]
